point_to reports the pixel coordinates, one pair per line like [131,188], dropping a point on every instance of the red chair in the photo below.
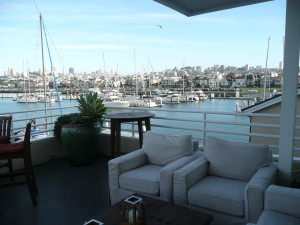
[20,150]
[5,129]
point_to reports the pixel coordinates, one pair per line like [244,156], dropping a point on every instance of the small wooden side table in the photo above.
[117,118]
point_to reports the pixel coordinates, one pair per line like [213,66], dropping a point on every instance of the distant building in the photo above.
[239,81]
[71,70]
[280,65]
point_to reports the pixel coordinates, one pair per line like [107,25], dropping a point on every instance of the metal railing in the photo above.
[236,126]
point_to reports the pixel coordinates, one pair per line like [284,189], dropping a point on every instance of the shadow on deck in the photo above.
[67,195]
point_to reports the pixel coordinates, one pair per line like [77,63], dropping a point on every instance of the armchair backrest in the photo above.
[162,149]
[235,160]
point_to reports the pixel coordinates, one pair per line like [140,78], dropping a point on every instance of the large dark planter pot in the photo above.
[80,142]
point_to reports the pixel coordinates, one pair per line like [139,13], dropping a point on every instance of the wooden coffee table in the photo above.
[158,212]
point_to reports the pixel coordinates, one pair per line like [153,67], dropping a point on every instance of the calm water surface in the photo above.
[219,105]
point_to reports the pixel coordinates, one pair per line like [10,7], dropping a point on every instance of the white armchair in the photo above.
[227,181]
[149,170]
[282,206]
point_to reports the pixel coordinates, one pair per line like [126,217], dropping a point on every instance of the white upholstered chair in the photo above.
[227,181]
[149,170]
[282,206]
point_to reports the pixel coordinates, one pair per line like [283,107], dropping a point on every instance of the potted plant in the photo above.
[79,131]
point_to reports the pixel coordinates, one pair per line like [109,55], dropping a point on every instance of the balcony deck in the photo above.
[67,195]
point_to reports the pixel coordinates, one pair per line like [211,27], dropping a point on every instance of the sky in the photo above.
[124,36]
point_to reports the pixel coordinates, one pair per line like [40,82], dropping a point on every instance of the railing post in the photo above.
[12,134]
[204,128]
[132,126]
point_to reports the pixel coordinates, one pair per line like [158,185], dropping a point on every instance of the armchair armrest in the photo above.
[283,199]
[188,175]
[122,164]
[166,175]
[255,190]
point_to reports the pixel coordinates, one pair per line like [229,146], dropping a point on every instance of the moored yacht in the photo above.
[115,101]
[27,99]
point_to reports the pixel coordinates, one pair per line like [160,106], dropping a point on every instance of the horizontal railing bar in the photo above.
[243,134]
[175,127]
[243,124]
[212,112]
[221,122]
[40,109]
[177,119]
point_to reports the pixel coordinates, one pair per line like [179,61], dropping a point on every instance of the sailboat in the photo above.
[27,98]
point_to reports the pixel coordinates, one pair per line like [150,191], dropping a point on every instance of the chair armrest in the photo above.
[124,163]
[166,175]
[255,190]
[188,175]
[283,199]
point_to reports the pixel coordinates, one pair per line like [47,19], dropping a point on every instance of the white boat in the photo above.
[27,99]
[201,95]
[47,98]
[143,102]
[175,98]
[115,101]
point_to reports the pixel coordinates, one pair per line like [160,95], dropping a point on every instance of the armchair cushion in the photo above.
[283,199]
[144,179]
[161,149]
[220,194]
[235,160]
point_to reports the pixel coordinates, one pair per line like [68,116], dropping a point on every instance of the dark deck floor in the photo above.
[67,195]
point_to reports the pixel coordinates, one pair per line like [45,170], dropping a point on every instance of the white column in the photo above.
[290,84]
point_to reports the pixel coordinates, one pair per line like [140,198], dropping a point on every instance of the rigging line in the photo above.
[45,28]
[38,11]
[56,88]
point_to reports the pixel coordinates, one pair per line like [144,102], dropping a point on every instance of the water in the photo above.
[215,105]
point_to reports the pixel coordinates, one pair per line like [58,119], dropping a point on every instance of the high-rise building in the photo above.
[280,65]
[13,72]
[71,70]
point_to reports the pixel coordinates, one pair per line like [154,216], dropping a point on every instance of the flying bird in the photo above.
[159,26]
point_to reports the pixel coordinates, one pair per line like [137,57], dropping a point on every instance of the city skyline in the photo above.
[138,36]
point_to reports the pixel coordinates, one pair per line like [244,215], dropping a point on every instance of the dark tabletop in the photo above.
[130,115]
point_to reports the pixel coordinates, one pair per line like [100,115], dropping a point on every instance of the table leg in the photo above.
[140,125]
[118,138]
[112,138]
[147,124]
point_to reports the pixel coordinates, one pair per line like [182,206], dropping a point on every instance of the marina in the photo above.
[179,116]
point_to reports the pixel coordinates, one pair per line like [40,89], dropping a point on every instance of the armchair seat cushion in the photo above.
[219,194]
[144,179]
[269,217]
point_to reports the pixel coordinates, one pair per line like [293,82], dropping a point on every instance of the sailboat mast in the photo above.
[136,77]
[43,66]
[266,70]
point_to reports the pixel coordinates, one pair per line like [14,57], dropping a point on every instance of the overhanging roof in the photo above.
[196,7]
[265,104]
